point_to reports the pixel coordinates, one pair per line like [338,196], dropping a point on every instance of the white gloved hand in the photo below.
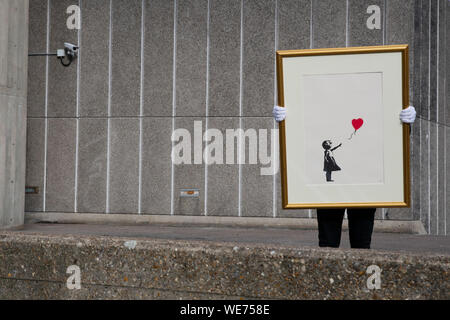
[408,115]
[279,113]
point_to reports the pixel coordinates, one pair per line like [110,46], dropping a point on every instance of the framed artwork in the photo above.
[342,144]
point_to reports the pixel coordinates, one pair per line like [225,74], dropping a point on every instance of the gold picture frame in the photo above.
[281,57]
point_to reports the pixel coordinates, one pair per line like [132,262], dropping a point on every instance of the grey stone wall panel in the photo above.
[358,32]
[294,24]
[35,163]
[124,165]
[258,57]
[158,58]
[447,182]
[224,58]
[442,66]
[223,179]
[191,58]
[62,81]
[94,59]
[329,23]
[156,165]
[416,168]
[400,30]
[433,177]
[189,176]
[442,177]
[256,189]
[446,44]
[92,158]
[60,184]
[126,57]
[443,103]
[433,60]
[425,174]
[424,101]
[37,65]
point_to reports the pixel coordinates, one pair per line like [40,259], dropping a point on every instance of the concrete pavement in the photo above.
[396,242]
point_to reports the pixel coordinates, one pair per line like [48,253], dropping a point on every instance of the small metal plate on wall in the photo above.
[189,193]
[31,190]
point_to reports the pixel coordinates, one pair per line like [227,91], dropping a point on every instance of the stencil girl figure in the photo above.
[329,164]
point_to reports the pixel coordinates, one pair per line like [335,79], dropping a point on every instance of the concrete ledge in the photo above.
[411,227]
[12,228]
[168,269]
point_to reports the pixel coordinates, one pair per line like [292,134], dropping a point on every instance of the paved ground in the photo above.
[288,237]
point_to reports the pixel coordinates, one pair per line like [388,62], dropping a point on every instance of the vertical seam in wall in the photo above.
[416,147]
[311,26]
[240,109]
[412,80]
[46,108]
[429,117]
[310,46]
[275,92]
[174,96]
[445,132]
[445,177]
[420,41]
[420,161]
[346,23]
[383,210]
[75,209]
[346,45]
[437,120]
[141,103]
[384,23]
[207,107]
[429,178]
[109,106]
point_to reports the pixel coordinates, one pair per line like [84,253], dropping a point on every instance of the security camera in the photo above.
[66,55]
[70,49]
[70,52]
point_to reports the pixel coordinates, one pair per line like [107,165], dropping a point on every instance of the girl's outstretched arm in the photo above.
[336,147]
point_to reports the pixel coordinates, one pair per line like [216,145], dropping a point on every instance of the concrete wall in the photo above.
[121,268]
[13,110]
[99,131]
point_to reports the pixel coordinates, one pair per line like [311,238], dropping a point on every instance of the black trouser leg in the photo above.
[360,225]
[330,227]
[328,175]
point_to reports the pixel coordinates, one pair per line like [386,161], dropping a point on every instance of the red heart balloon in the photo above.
[357,123]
